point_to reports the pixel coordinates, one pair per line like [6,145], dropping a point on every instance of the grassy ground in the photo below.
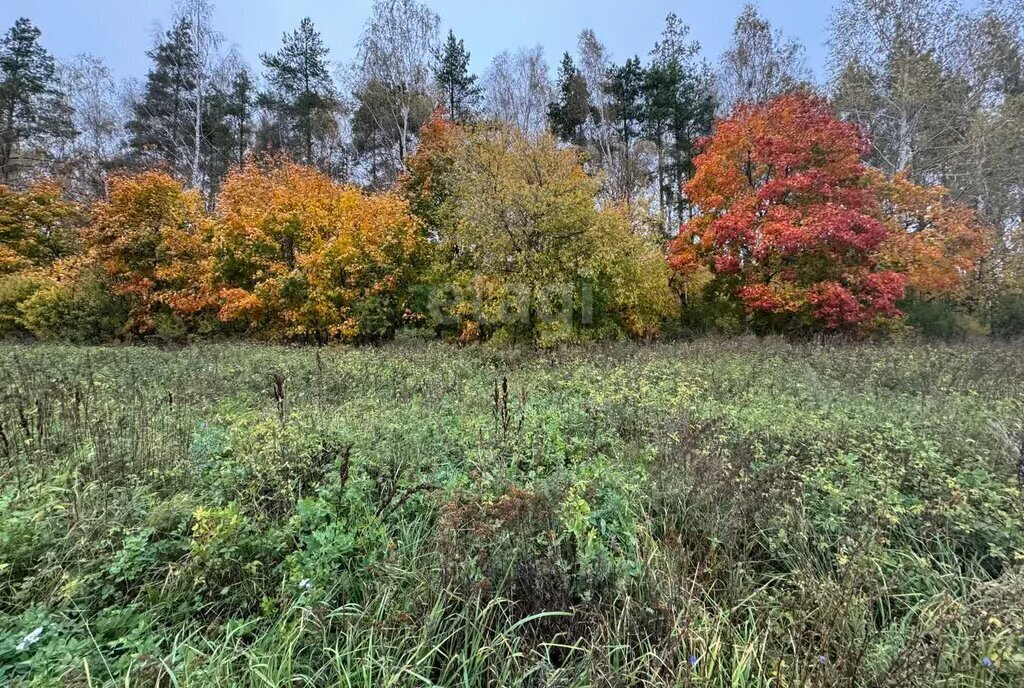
[711,514]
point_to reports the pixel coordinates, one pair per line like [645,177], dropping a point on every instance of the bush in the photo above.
[15,290]
[79,309]
[1006,316]
[941,319]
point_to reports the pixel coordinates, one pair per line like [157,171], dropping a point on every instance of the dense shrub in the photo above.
[942,318]
[1007,315]
[75,304]
[16,289]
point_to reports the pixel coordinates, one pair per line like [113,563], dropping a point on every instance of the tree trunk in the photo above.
[200,74]
[661,183]
[904,153]
[403,133]
[7,150]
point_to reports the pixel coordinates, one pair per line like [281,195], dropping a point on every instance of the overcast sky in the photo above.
[120,31]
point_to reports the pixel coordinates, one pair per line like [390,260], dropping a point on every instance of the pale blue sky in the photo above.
[120,31]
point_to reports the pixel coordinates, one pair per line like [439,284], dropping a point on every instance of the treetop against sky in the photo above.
[120,31]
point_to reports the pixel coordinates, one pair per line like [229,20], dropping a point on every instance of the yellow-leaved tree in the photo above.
[37,229]
[522,247]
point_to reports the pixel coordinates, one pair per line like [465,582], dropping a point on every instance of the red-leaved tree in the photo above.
[791,225]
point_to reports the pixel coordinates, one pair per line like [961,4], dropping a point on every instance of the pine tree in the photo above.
[31,105]
[461,92]
[240,102]
[678,109]
[692,119]
[227,127]
[569,115]
[162,129]
[625,86]
[377,145]
[302,93]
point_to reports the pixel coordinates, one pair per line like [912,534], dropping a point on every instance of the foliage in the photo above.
[522,248]
[517,89]
[395,66]
[1007,314]
[938,244]
[461,93]
[72,302]
[630,277]
[301,95]
[299,255]
[37,226]
[941,318]
[430,173]
[795,228]
[162,127]
[378,145]
[678,111]
[15,290]
[31,103]
[570,112]
[149,237]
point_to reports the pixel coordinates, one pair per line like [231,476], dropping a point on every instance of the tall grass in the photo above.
[735,513]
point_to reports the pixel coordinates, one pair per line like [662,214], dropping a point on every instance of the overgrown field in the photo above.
[735,513]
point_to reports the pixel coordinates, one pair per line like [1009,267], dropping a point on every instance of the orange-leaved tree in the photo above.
[794,229]
[937,243]
[299,255]
[428,181]
[150,237]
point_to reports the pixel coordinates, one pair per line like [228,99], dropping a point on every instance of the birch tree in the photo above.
[517,89]
[395,60]
[898,70]
[98,117]
[205,42]
[759,64]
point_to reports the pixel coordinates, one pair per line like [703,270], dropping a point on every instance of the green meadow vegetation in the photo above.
[713,513]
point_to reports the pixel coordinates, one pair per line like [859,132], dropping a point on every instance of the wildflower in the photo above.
[986,662]
[29,640]
[693,661]
[305,584]
[822,659]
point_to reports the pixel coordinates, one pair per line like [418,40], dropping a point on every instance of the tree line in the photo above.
[509,196]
